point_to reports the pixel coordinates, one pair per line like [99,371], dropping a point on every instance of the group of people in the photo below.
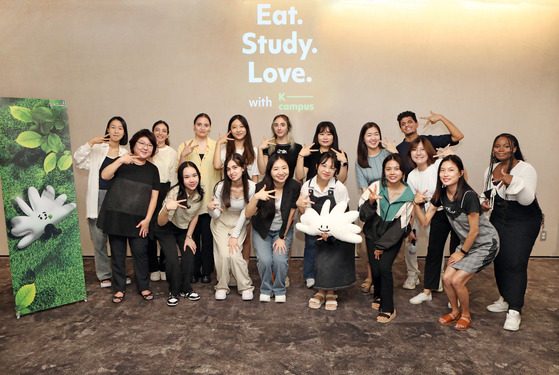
[211,201]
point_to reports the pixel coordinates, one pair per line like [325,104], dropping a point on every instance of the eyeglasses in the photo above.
[143,144]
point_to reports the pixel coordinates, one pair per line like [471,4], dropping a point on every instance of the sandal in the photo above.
[448,319]
[386,317]
[118,299]
[316,301]
[331,303]
[463,323]
[366,286]
[376,303]
[147,296]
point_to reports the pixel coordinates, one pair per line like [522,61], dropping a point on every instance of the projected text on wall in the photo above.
[292,45]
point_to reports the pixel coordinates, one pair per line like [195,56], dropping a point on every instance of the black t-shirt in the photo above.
[105,184]
[289,153]
[468,204]
[127,200]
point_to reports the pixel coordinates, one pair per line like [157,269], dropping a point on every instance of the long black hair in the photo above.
[362,151]
[268,207]
[226,188]
[322,127]
[398,159]
[462,185]
[182,189]
[513,142]
[248,152]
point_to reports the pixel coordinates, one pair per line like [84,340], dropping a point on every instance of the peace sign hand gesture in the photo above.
[213,205]
[129,158]
[98,140]
[505,178]
[373,196]
[340,155]
[420,198]
[225,138]
[188,148]
[444,152]
[304,202]
[390,147]
[173,205]
[431,119]
[265,143]
[306,150]
[263,195]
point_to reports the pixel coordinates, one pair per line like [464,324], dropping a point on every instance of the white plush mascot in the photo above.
[44,210]
[337,223]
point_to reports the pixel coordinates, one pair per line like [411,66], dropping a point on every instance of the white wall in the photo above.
[490,68]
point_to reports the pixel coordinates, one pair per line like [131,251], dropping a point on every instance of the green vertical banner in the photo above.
[40,204]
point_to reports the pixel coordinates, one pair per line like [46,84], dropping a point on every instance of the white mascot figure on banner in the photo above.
[45,210]
[336,223]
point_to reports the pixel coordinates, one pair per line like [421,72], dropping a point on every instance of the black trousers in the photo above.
[157,264]
[178,273]
[138,248]
[440,228]
[203,238]
[518,227]
[382,274]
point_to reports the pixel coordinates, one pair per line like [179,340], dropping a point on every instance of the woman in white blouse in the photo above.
[166,162]
[510,185]
[95,155]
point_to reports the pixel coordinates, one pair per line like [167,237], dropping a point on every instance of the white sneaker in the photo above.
[310,283]
[265,297]
[154,276]
[420,298]
[411,282]
[247,295]
[280,299]
[163,275]
[513,321]
[498,306]
[220,294]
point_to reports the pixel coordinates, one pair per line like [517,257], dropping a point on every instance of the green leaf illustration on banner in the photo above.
[55,143]
[42,114]
[46,128]
[50,162]
[65,161]
[25,296]
[21,113]
[29,139]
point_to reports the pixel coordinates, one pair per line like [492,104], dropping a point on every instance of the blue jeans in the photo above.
[308,257]
[270,261]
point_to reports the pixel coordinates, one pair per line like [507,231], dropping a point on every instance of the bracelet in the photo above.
[189,236]
[463,252]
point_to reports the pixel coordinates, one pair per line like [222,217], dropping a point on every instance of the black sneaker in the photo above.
[172,300]
[192,296]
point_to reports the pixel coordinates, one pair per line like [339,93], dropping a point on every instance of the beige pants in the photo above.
[225,262]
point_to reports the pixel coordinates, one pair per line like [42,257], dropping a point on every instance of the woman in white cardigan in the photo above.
[95,155]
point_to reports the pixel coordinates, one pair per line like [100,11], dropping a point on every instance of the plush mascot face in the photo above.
[336,223]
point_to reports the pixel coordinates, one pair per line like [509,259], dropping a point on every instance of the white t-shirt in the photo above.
[425,180]
[252,169]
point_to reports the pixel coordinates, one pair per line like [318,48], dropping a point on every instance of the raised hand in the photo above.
[188,148]
[173,205]
[98,140]
[263,195]
[225,138]
[213,205]
[304,202]
[504,179]
[389,146]
[431,119]
[340,155]
[265,143]
[421,198]
[129,158]
[373,196]
[306,150]
[443,152]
